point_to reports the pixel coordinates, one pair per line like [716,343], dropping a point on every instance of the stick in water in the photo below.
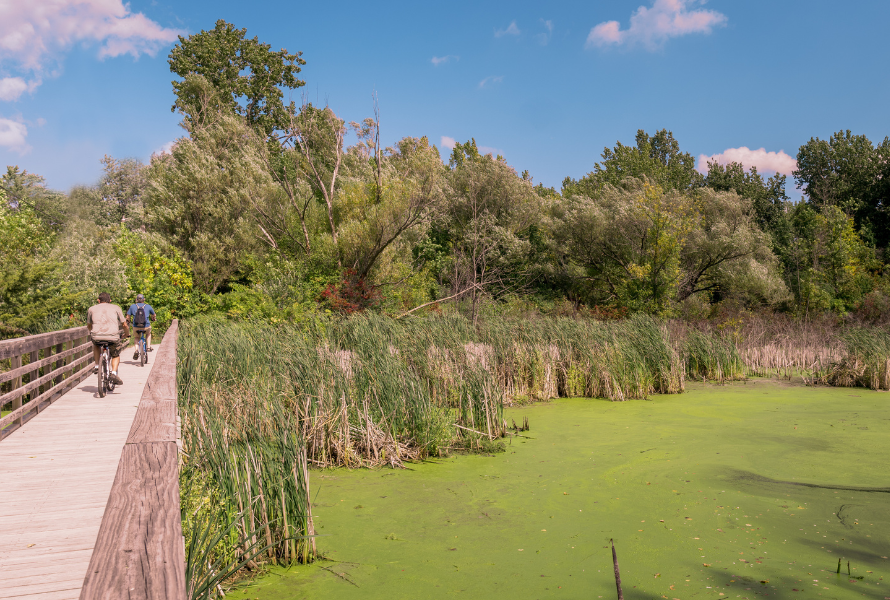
[617,573]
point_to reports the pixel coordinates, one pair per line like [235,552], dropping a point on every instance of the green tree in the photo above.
[121,190]
[247,74]
[833,266]
[200,198]
[28,191]
[849,172]
[490,211]
[768,199]
[657,158]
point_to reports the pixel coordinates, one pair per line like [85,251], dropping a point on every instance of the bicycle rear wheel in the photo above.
[109,384]
[103,374]
[143,351]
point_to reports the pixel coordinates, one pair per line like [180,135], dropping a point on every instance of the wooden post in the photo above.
[34,357]
[14,363]
[617,573]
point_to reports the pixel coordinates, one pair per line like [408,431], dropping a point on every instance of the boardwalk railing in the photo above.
[52,363]
[139,552]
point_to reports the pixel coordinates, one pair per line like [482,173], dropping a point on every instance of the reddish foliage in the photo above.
[351,294]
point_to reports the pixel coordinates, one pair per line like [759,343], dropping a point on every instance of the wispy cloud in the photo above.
[35,35]
[438,60]
[489,150]
[11,88]
[491,79]
[13,135]
[448,142]
[511,29]
[772,162]
[652,26]
[544,38]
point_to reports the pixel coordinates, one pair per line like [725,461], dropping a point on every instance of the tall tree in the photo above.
[849,172]
[121,189]
[247,74]
[768,199]
[657,158]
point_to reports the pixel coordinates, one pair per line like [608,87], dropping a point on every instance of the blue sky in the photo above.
[547,85]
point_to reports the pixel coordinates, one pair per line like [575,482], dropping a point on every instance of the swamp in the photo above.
[754,489]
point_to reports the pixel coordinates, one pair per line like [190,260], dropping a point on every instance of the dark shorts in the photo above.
[114,347]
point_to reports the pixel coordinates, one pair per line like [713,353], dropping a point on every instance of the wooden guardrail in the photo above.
[52,363]
[139,552]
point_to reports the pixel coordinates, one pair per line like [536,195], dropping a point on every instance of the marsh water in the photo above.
[748,490]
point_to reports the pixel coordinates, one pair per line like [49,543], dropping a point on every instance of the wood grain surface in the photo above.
[56,475]
[139,553]
[24,345]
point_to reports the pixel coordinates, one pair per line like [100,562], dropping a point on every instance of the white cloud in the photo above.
[13,135]
[35,34]
[483,150]
[512,29]
[544,38]
[772,162]
[438,60]
[653,26]
[491,79]
[166,148]
[13,87]
[448,142]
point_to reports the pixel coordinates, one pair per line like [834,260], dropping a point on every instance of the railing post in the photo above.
[15,363]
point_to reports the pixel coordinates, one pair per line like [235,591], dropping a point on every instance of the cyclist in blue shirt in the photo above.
[141,315]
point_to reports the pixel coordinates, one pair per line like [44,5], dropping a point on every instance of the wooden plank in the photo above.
[18,371]
[55,478]
[51,394]
[139,553]
[38,382]
[156,418]
[19,346]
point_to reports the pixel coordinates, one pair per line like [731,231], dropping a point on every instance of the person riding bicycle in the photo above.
[140,315]
[105,321]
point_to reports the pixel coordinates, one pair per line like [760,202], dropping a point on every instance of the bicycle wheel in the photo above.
[103,375]
[109,384]
[143,351]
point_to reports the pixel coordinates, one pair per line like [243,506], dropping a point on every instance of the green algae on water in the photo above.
[744,491]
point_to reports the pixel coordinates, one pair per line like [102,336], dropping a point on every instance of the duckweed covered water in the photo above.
[742,491]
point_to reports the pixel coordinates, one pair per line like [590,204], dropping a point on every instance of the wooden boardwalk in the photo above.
[56,474]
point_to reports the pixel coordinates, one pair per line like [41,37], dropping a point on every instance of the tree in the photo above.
[768,199]
[489,208]
[200,198]
[657,158]
[629,242]
[247,75]
[121,191]
[727,254]
[28,191]
[384,200]
[833,263]
[849,172]
[643,248]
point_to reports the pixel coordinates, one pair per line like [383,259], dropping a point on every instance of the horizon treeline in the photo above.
[262,210]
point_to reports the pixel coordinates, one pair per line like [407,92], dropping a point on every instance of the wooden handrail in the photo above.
[139,552]
[49,376]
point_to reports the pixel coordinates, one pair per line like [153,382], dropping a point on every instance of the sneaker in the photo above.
[136,355]
[95,370]
[151,349]
[115,379]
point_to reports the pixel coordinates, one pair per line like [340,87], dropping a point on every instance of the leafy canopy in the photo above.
[248,75]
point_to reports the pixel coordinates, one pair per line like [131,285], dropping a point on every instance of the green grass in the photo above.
[761,482]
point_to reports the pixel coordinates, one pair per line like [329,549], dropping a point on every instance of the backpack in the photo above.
[139,319]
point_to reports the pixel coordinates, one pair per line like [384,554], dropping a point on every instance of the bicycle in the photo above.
[141,347]
[105,383]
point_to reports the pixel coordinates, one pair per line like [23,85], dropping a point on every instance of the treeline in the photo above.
[262,210]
